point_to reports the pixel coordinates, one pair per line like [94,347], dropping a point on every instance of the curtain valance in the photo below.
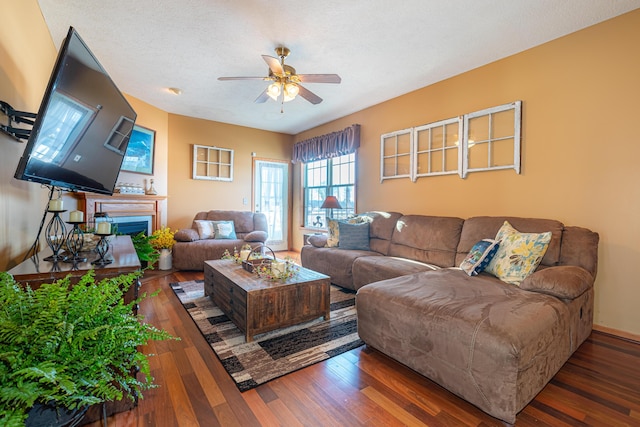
[333,144]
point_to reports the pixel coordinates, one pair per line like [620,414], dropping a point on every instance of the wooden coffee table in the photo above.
[257,305]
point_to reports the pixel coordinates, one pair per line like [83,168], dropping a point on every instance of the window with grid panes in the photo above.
[329,177]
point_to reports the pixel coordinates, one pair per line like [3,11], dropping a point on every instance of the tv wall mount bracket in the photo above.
[15,117]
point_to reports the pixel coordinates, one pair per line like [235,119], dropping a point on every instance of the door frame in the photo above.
[254,160]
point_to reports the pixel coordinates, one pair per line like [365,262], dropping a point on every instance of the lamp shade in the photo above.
[331,203]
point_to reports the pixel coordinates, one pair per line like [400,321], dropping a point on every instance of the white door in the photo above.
[270,195]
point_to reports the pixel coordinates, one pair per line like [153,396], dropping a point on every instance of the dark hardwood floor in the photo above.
[598,386]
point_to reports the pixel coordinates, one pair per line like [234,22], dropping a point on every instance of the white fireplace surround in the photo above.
[124,208]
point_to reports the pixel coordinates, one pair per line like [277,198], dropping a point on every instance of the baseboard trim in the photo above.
[617,332]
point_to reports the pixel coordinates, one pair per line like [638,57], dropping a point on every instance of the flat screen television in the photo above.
[82,129]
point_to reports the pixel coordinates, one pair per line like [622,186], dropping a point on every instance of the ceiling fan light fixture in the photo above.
[285,81]
[290,92]
[291,89]
[273,91]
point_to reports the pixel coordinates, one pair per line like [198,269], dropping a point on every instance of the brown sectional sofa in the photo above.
[190,251]
[494,344]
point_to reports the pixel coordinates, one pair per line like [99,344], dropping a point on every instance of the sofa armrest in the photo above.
[318,240]
[566,281]
[186,235]
[256,236]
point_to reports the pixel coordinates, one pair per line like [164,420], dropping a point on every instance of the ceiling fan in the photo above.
[285,81]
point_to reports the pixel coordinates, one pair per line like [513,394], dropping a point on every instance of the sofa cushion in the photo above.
[375,268]
[381,226]
[334,262]
[354,236]
[479,256]
[256,236]
[580,247]
[318,240]
[428,239]
[186,235]
[519,254]
[192,255]
[567,281]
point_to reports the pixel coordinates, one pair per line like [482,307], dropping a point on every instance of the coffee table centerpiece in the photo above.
[258,304]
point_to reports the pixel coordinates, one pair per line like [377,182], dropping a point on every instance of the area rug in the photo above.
[277,353]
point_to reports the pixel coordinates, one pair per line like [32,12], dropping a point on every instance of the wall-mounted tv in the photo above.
[82,129]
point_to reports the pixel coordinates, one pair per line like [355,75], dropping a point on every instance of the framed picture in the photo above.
[140,151]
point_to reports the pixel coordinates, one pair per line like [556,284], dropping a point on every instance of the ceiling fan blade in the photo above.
[308,95]
[243,78]
[274,65]
[263,97]
[319,78]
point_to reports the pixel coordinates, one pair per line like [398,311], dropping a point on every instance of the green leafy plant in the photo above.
[70,345]
[145,249]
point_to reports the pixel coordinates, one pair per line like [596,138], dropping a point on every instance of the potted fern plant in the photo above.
[147,253]
[70,346]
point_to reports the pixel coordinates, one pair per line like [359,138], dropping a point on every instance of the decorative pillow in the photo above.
[354,236]
[334,233]
[224,230]
[333,238]
[479,256]
[519,254]
[205,229]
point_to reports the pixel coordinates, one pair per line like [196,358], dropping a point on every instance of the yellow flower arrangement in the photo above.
[162,238]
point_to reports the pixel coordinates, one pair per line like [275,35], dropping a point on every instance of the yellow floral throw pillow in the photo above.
[334,233]
[519,254]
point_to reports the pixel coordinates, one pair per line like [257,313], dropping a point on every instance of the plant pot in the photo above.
[164,262]
[53,416]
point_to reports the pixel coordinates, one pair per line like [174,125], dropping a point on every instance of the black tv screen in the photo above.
[82,129]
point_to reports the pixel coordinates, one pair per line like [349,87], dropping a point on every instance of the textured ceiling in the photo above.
[380,48]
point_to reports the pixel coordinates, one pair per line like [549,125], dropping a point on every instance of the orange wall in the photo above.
[580,150]
[27,55]
[188,196]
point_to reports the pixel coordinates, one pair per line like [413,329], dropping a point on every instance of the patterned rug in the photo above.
[276,353]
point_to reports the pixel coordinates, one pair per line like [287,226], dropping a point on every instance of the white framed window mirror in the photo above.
[396,155]
[437,148]
[492,139]
[212,163]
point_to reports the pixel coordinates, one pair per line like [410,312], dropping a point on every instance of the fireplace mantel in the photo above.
[122,205]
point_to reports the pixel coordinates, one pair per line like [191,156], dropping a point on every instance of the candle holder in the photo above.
[55,236]
[74,242]
[102,248]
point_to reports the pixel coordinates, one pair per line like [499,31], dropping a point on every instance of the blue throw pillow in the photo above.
[354,236]
[479,256]
[224,230]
